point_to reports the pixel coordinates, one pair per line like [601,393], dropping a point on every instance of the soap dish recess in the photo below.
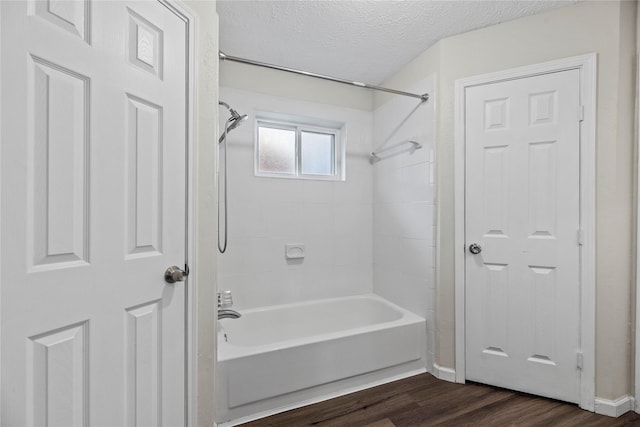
[294,251]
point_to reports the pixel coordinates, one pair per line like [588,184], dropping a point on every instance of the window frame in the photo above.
[299,127]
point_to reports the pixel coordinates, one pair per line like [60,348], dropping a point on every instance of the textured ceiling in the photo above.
[363,40]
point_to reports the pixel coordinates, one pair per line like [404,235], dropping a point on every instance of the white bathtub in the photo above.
[279,357]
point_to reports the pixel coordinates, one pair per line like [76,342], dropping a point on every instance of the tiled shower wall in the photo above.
[332,219]
[375,232]
[404,205]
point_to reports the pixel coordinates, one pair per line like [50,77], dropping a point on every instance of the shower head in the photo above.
[234,114]
[234,121]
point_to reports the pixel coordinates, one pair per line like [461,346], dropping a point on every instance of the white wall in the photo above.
[332,219]
[293,86]
[403,205]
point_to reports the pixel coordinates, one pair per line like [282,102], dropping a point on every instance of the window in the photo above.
[292,149]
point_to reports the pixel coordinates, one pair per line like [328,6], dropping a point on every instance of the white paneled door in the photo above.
[93,158]
[522,232]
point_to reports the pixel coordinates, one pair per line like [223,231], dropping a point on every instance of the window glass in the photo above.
[290,147]
[317,153]
[277,150]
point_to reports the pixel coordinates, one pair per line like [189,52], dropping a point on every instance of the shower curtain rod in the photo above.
[424,97]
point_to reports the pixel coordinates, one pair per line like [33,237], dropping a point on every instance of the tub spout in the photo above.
[227,313]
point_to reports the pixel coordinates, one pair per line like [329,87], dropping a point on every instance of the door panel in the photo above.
[522,290]
[93,168]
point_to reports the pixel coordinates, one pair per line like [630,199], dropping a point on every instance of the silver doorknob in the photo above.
[175,274]
[475,248]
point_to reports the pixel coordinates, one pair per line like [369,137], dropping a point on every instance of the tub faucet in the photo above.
[225,302]
[224,299]
[227,313]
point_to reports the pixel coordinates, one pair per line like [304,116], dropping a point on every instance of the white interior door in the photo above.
[93,162]
[522,207]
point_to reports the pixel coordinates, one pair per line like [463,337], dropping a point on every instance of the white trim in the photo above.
[458,233]
[614,408]
[637,224]
[587,66]
[637,311]
[446,374]
[1,145]
[191,21]
[192,188]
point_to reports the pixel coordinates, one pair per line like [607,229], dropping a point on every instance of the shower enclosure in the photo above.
[367,237]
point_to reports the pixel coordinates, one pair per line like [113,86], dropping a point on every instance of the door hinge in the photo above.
[580,237]
[579,360]
[580,113]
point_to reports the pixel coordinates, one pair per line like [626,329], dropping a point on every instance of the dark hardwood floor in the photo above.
[423,400]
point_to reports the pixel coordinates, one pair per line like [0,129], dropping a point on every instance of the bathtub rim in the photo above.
[227,351]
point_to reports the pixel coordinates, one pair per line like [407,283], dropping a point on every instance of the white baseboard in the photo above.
[446,374]
[614,408]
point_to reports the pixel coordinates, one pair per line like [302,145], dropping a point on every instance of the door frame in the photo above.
[636,390]
[180,8]
[1,145]
[586,64]
[190,19]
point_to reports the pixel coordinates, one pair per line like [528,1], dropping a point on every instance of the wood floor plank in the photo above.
[371,413]
[382,423]
[440,410]
[514,410]
[423,400]
[564,415]
[314,414]
[359,413]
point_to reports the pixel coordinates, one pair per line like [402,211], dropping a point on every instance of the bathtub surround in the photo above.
[335,220]
[296,240]
[404,205]
[332,220]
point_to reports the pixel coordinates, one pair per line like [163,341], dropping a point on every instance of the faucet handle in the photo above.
[224,299]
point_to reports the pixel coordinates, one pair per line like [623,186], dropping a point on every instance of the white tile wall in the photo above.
[372,232]
[404,207]
[333,219]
